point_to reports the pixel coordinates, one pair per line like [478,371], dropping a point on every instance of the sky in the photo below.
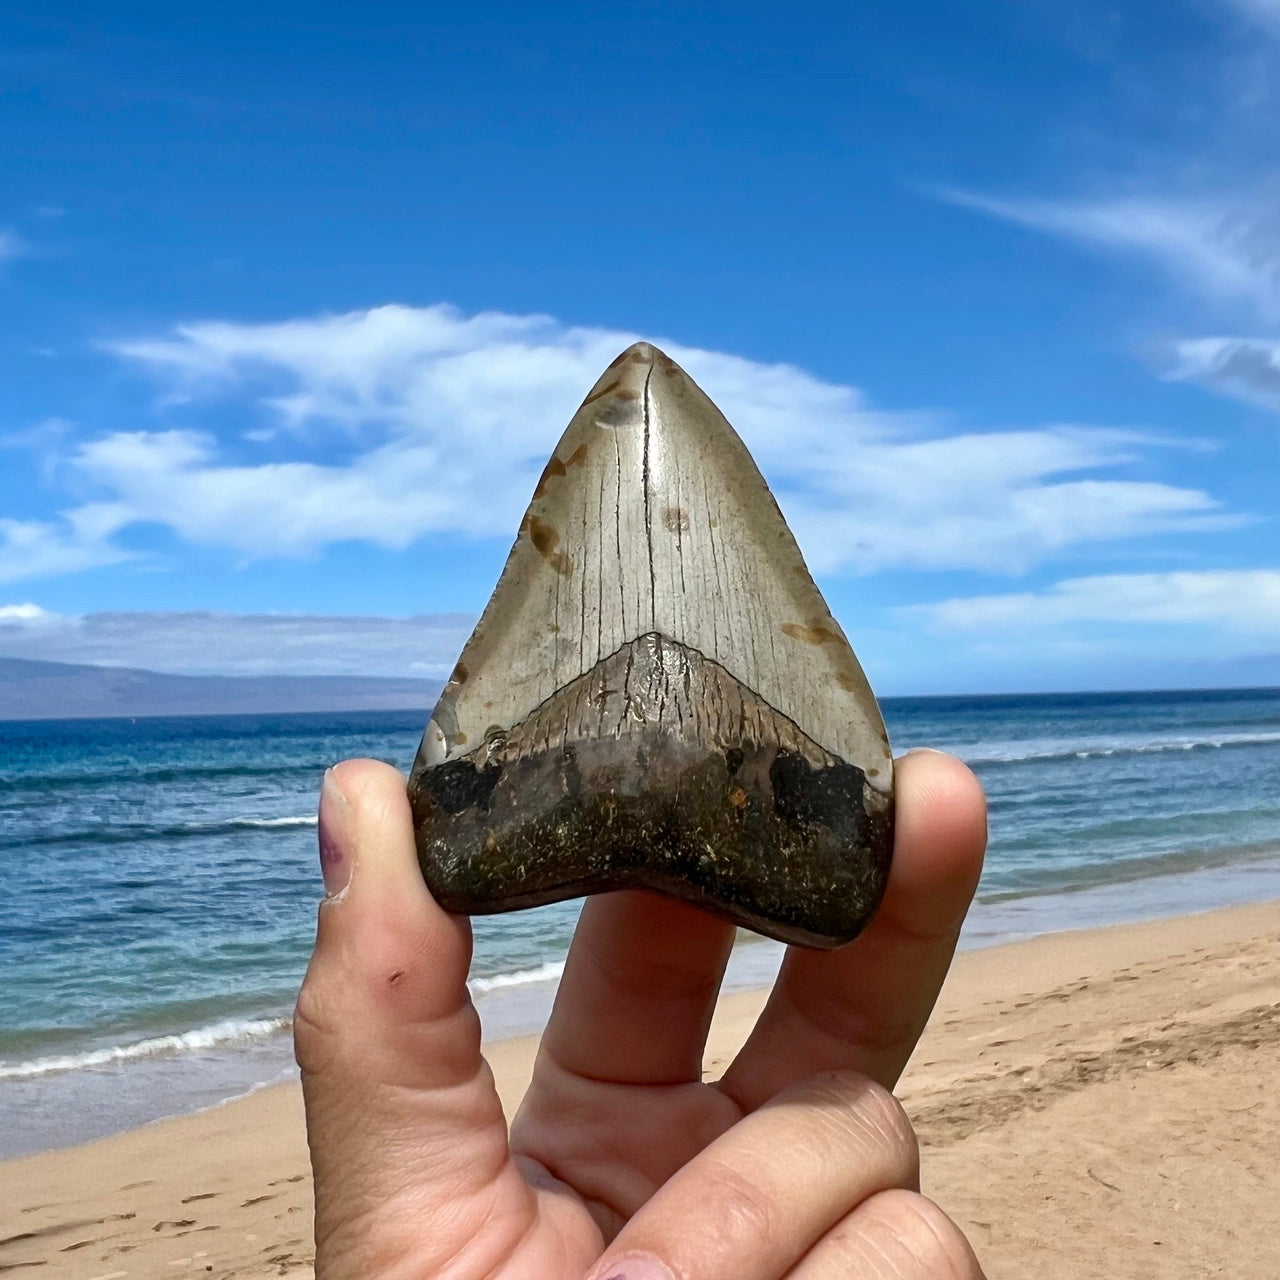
[295,300]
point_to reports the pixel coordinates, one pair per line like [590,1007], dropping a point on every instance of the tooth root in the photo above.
[657,694]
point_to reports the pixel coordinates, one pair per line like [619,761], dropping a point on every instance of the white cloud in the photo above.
[80,539]
[1240,601]
[1206,215]
[238,644]
[388,424]
[1227,251]
[1245,367]
[27,614]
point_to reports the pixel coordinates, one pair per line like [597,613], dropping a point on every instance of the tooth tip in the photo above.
[641,350]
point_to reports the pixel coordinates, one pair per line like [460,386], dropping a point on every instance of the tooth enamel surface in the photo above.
[652,517]
[657,694]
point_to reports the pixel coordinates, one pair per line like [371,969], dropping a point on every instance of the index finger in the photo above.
[864,1006]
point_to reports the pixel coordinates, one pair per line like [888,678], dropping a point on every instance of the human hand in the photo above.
[622,1164]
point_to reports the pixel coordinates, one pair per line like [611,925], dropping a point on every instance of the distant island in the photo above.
[62,691]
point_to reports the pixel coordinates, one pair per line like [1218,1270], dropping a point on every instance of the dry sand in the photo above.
[1095,1104]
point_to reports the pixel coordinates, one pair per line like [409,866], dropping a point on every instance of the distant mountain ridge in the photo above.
[31,690]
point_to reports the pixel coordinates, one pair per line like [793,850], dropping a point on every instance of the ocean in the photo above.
[160,875]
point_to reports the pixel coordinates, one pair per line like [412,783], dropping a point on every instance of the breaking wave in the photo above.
[1018,752]
[228,1034]
[547,972]
[234,1031]
[124,833]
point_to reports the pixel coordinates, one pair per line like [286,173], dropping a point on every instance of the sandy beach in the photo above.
[1093,1104]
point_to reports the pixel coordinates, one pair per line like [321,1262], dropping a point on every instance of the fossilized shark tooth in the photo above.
[657,695]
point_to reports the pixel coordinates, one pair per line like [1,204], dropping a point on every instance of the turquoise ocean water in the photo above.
[160,875]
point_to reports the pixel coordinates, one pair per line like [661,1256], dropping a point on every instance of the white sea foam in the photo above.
[228,1034]
[1016,752]
[234,1031]
[543,973]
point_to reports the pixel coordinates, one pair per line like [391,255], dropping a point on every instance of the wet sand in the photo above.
[1092,1104]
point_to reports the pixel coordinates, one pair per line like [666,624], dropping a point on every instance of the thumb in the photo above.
[403,1120]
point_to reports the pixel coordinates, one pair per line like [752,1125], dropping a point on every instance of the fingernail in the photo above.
[634,1266]
[335,837]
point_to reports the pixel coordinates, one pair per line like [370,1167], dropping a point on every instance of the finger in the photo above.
[757,1199]
[630,1022]
[638,991]
[895,1235]
[864,1006]
[401,1109]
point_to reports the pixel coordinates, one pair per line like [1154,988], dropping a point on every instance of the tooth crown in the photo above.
[652,517]
[653,545]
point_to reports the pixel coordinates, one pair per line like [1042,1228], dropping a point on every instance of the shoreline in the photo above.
[63,1108]
[1090,1103]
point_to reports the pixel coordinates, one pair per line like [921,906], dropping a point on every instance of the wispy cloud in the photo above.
[388,424]
[1196,201]
[11,246]
[1245,367]
[1263,13]
[79,539]
[238,644]
[1226,254]
[1225,250]
[1240,601]
[40,437]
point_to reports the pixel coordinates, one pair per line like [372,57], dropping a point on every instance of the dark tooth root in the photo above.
[648,784]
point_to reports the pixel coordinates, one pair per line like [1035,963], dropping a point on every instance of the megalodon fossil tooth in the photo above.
[657,695]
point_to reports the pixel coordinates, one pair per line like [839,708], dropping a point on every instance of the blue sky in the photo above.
[295,300]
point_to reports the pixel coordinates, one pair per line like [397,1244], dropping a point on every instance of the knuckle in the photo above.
[319,1019]
[743,1211]
[313,1038]
[864,1108]
[936,1247]
[898,1132]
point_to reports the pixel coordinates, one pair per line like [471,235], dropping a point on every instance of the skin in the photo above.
[622,1162]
